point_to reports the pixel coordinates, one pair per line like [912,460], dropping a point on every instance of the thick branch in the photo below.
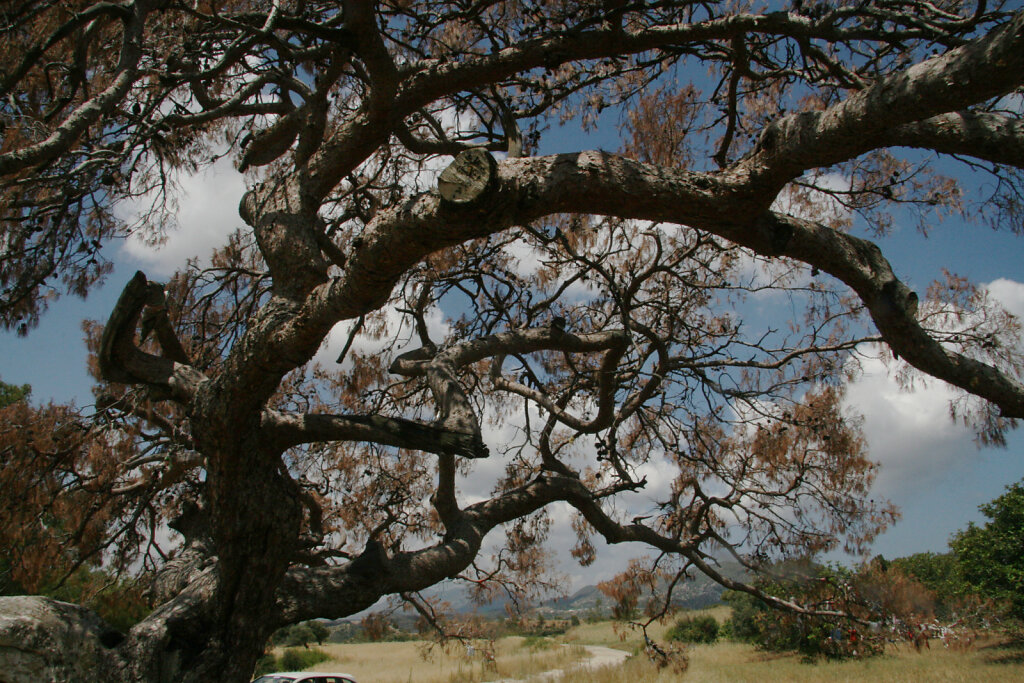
[616,341]
[288,429]
[120,360]
[984,68]
[991,137]
[861,265]
[425,81]
[309,592]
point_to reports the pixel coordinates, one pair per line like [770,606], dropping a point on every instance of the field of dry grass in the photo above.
[734,662]
[404,661]
[987,661]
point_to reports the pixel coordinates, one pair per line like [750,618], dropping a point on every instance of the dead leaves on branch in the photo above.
[57,481]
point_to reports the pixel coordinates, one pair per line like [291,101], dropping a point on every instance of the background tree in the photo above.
[554,324]
[51,528]
[942,574]
[12,393]
[990,555]
[320,632]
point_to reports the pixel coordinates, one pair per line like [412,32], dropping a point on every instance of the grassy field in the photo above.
[743,664]
[988,661]
[404,661]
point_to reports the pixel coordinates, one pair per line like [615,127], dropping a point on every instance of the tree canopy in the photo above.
[429,329]
[990,556]
[12,393]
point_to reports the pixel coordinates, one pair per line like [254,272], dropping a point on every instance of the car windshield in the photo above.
[273,679]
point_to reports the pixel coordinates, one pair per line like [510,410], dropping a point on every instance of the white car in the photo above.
[305,677]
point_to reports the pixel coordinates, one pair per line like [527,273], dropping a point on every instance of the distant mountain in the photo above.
[697,592]
[694,593]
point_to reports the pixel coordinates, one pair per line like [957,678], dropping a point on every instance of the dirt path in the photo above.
[597,657]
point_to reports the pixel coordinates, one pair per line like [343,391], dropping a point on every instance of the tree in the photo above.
[859,601]
[941,574]
[12,393]
[320,632]
[990,556]
[557,322]
[376,626]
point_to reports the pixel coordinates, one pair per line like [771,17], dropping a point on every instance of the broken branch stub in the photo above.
[469,177]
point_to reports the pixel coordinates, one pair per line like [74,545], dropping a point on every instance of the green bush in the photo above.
[702,629]
[299,659]
[742,625]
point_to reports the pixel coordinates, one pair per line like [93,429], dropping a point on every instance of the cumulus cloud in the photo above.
[399,327]
[206,213]
[1008,293]
[811,204]
[910,432]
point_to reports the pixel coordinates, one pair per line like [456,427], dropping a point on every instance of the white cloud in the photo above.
[1009,293]
[206,214]
[399,328]
[813,204]
[908,432]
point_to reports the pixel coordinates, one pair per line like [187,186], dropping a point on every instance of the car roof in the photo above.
[300,675]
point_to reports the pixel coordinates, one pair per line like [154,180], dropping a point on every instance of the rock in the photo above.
[44,640]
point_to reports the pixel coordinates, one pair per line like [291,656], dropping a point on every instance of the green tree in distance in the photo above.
[991,556]
[12,393]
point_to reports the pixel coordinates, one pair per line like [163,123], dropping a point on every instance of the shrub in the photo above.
[298,659]
[701,629]
[742,625]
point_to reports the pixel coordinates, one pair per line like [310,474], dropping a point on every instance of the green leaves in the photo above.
[992,556]
[12,393]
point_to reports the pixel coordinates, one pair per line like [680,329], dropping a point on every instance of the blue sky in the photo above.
[930,467]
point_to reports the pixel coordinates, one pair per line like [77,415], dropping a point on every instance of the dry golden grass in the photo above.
[401,662]
[988,661]
[985,663]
